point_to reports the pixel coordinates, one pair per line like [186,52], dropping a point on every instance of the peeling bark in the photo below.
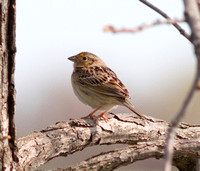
[65,138]
[144,150]
[7,85]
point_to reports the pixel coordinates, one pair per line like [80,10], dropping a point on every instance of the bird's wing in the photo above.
[103,80]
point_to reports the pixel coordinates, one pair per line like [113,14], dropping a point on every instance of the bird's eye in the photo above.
[84,58]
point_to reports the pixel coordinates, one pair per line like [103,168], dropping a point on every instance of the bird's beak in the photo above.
[72,58]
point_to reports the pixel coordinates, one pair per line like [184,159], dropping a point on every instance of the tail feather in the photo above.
[133,109]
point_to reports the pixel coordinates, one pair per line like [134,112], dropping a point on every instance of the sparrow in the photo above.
[98,86]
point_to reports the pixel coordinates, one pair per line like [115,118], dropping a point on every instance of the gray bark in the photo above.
[7,85]
[147,138]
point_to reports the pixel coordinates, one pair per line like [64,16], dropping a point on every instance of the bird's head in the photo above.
[86,59]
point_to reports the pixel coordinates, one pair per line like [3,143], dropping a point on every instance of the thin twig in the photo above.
[193,19]
[142,27]
[174,123]
[178,27]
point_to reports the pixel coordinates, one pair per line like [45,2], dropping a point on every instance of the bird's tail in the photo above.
[133,109]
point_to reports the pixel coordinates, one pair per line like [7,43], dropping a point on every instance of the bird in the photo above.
[98,86]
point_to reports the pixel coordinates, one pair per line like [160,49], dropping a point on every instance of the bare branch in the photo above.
[162,13]
[142,27]
[193,19]
[142,151]
[66,138]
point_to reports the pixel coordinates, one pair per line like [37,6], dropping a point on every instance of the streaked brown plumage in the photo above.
[97,85]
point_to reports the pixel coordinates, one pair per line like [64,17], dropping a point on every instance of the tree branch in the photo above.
[65,138]
[7,84]
[141,27]
[162,13]
[142,151]
[193,18]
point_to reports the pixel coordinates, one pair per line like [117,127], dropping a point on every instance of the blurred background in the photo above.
[157,65]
